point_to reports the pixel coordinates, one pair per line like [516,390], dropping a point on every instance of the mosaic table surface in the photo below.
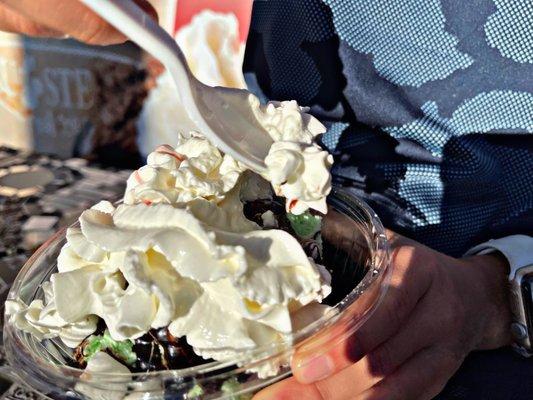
[39,195]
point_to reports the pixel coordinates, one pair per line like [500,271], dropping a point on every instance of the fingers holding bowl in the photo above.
[431,364]
[387,350]
[345,344]
[422,377]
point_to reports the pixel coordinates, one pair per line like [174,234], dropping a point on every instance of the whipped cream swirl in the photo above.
[179,252]
[298,169]
[300,173]
[194,169]
[41,319]
[225,291]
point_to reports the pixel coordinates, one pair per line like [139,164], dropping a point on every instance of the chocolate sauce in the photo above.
[254,209]
[159,350]
[156,350]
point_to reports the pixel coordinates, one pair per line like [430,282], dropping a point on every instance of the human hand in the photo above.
[437,310]
[60,18]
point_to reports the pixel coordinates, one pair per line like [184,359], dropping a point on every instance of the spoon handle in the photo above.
[214,111]
[138,26]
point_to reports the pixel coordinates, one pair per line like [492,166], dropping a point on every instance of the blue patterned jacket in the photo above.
[429,105]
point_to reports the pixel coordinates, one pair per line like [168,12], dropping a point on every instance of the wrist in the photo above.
[490,286]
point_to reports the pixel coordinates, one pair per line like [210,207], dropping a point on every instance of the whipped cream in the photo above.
[300,173]
[225,291]
[194,169]
[118,378]
[269,219]
[179,252]
[41,319]
[140,266]
[297,168]
[287,121]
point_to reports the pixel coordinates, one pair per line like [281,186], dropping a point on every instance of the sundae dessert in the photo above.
[203,260]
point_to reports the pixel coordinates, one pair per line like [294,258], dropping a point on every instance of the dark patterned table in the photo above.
[38,195]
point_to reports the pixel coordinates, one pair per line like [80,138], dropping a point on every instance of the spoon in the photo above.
[224,115]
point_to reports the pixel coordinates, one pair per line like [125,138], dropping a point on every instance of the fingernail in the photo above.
[315,369]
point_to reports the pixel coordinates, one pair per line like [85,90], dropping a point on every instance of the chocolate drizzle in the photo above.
[156,350]
[254,209]
[159,350]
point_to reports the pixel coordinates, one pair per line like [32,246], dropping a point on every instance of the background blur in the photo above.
[110,105]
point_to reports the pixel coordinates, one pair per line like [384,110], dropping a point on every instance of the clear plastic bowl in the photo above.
[355,247]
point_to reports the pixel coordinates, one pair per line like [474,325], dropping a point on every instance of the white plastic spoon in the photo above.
[225,116]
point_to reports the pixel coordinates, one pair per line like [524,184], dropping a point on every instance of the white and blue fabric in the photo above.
[429,105]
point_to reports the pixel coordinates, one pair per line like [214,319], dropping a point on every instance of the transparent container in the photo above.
[355,248]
